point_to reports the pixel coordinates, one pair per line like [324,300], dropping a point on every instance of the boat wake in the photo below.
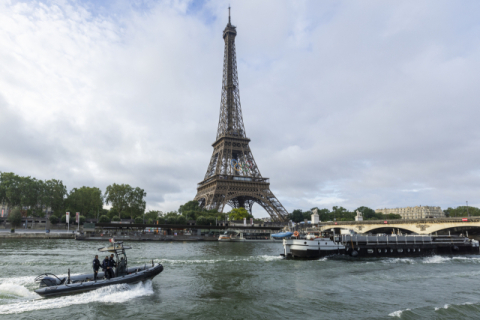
[262,258]
[111,294]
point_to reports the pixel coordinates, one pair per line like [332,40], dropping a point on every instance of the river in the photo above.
[210,280]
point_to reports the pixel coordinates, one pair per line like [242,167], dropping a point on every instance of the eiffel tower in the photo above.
[232,176]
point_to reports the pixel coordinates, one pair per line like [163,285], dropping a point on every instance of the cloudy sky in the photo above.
[347,103]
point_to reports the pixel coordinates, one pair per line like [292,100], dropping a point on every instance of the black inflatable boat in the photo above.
[51,285]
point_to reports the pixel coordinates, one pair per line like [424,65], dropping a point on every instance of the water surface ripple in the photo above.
[210,280]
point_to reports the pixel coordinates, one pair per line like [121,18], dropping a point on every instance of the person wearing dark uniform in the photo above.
[112,264]
[106,267]
[96,266]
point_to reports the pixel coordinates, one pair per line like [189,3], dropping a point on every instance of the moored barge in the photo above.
[354,245]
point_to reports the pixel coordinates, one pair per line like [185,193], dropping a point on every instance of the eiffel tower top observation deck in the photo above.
[232,176]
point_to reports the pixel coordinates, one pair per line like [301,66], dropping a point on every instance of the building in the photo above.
[417,212]
[315,217]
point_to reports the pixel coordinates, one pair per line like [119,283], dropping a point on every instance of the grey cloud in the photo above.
[346,103]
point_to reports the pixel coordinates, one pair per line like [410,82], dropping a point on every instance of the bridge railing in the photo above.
[403,221]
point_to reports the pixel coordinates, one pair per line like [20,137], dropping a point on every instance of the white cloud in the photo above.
[372,98]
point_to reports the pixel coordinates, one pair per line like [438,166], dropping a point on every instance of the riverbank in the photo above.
[106,237]
[36,235]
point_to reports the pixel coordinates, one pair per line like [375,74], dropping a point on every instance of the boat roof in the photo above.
[113,247]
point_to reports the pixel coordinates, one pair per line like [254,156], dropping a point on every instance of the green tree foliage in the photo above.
[15,217]
[115,218]
[191,210]
[85,200]
[82,220]
[201,221]
[181,220]
[462,211]
[239,214]
[104,219]
[53,219]
[138,220]
[153,216]
[126,199]
[30,192]
[296,215]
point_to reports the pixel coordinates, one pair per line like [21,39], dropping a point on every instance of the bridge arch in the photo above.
[424,227]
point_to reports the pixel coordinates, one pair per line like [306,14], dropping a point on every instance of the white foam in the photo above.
[436,259]
[399,260]
[17,290]
[18,280]
[111,294]
[398,313]
[197,261]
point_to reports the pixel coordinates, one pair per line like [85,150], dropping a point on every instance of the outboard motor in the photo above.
[48,282]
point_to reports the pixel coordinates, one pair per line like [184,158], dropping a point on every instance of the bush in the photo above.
[201,221]
[181,220]
[115,218]
[82,220]
[161,220]
[53,219]
[150,221]
[104,219]
[15,217]
[138,220]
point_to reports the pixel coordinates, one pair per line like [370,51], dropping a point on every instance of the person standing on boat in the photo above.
[96,266]
[112,264]
[106,267]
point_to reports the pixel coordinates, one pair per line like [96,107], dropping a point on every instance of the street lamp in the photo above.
[467,210]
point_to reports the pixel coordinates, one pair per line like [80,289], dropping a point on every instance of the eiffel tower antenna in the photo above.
[232,175]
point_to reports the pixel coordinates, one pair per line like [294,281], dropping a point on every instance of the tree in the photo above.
[181,220]
[126,199]
[86,200]
[15,217]
[104,219]
[462,211]
[296,215]
[201,221]
[152,215]
[238,214]
[53,219]
[54,193]
[138,220]
[82,220]
[115,218]
[171,220]
[191,210]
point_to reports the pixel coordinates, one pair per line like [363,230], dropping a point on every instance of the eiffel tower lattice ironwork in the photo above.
[232,176]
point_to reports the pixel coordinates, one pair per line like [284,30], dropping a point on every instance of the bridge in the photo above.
[419,226]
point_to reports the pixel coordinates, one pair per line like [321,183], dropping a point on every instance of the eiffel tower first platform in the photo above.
[232,176]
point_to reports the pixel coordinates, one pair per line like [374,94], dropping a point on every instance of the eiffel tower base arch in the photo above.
[240,194]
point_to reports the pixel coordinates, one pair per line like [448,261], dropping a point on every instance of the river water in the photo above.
[211,280]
